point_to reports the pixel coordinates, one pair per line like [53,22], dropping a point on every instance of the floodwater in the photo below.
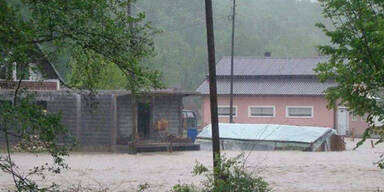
[351,170]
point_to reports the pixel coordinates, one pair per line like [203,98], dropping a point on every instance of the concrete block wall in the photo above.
[66,104]
[124,116]
[57,102]
[96,121]
[111,116]
[170,109]
[162,107]
[5,96]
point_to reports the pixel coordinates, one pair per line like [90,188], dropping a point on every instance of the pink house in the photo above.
[277,91]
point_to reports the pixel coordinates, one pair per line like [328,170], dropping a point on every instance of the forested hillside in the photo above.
[283,27]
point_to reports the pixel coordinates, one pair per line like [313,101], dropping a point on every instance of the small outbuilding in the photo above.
[106,119]
[102,119]
[235,136]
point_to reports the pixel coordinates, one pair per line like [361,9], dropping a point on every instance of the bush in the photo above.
[232,177]
[184,188]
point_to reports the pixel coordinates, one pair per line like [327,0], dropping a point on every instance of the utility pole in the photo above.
[232,52]
[132,142]
[212,84]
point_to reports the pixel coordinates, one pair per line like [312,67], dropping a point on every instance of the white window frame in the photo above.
[261,106]
[234,108]
[353,117]
[364,118]
[302,117]
[14,73]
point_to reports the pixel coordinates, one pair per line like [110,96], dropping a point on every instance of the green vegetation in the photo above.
[97,38]
[87,36]
[284,27]
[357,60]
[37,131]
[234,177]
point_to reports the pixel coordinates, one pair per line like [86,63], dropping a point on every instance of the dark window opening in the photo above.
[22,71]
[6,72]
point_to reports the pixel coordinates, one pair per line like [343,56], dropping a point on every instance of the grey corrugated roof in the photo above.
[254,66]
[269,86]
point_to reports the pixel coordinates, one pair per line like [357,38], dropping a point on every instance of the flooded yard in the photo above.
[351,170]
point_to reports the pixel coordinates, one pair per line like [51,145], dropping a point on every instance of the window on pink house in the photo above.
[364,118]
[261,111]
[354,116]
[300,111]
[223,111]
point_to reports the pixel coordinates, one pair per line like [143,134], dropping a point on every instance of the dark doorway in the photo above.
[143,119]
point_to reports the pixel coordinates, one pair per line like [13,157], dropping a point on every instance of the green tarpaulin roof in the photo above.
[266,132]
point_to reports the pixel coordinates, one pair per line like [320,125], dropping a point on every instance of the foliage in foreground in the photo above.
[92,34]
[95,34]
[233,178]
[356,59]
[27,123]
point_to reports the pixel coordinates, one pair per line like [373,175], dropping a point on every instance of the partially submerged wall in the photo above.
[124,117]
[89,119]
[102,119]
[357,125]
[170,109]
[66,104]
[167,108]
[96,121]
